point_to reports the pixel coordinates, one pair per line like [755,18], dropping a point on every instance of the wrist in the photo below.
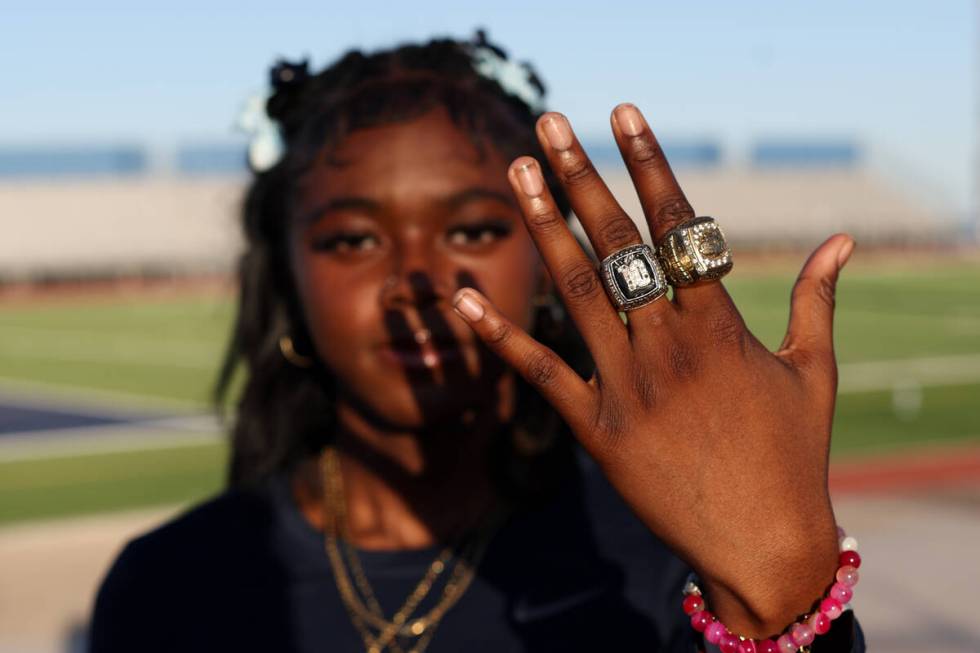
[747,626]
[764,598]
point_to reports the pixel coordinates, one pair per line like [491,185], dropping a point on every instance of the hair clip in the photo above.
[265,146]
[516,78]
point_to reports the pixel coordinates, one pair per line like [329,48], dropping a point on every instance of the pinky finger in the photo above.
[540,366]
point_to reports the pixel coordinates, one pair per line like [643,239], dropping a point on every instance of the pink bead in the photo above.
[831,607]
[820,622]
[714,632]
[802,634]
[748,646]
[786,645]
[842,593]
[767,646]
[850,558]
[701,620]
[728,643]
[847,575]
[693,603]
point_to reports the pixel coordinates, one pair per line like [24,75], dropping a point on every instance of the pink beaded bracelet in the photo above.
[799,635]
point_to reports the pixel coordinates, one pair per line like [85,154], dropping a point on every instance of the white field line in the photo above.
[64,443]
[52,395]
[204,430]
[895,374]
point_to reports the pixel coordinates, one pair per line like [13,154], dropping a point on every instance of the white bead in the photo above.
[849,544]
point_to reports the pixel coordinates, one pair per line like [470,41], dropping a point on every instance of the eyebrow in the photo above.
[454,201]
[476,193]
[340,204]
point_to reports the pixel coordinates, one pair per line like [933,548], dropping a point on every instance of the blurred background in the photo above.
[121,175]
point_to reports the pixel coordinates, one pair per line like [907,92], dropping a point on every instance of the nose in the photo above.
[420,277]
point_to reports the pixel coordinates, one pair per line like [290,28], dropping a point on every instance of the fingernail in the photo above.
[468,307]
[558,132]
[529,178]
[629,120]
[845,253]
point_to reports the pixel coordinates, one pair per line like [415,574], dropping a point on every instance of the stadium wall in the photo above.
[146,222]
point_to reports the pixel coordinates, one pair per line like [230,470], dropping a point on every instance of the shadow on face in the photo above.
[388,226]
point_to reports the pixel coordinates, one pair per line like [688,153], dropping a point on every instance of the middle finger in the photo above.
[606,224]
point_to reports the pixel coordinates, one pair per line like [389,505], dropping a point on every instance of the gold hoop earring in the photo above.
[290,354]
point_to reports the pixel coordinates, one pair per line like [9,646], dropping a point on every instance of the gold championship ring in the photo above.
[695,250]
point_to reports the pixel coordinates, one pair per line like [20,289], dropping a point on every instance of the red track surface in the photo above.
[953,466]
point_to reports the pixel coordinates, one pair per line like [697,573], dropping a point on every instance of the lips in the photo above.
[427,355]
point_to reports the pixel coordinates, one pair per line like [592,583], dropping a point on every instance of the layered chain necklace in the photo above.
[377,631]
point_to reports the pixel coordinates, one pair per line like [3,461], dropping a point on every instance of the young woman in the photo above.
[404,475]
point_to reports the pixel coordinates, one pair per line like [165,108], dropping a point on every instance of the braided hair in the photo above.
[286,413]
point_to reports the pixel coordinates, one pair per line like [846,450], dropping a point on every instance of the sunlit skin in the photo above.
[403,216]
[718,445]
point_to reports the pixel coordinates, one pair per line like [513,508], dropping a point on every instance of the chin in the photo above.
[427,407]
[413,407]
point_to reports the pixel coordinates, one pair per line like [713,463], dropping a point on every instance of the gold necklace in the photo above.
[371,616]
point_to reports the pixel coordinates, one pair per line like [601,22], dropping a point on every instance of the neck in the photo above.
[406,489]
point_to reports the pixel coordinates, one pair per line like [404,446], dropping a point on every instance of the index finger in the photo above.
[605,222]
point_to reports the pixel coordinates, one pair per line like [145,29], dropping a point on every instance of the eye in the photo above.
[483,233]
[346,243]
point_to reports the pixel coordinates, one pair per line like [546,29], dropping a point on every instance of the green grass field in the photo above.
[166,352]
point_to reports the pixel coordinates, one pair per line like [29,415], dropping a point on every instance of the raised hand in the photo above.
[719,445]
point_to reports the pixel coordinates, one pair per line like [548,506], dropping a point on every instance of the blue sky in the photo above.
[899,77]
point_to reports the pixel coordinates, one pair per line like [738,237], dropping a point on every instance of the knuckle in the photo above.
[618,231]
[544,219]
[824,289]
[499,333]
[608,427]
[645,386]
[726,328]
[827,292]
[673,210]
[541,367]
[579,282]
[576,169]
[647,154]
[681,361]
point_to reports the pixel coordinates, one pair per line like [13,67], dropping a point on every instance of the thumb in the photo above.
[810,335]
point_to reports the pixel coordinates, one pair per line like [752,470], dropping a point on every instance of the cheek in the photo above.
[340,307]
[511,282]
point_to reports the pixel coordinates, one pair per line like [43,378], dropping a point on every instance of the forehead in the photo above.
[429,155]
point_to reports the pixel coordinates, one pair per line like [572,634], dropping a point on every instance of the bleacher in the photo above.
[117,211]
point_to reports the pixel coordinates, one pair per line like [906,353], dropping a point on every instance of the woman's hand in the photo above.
[720,446]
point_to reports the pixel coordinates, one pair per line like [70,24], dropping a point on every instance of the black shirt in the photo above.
[246,572]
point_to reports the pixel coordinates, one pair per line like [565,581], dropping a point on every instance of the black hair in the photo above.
[285,412]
